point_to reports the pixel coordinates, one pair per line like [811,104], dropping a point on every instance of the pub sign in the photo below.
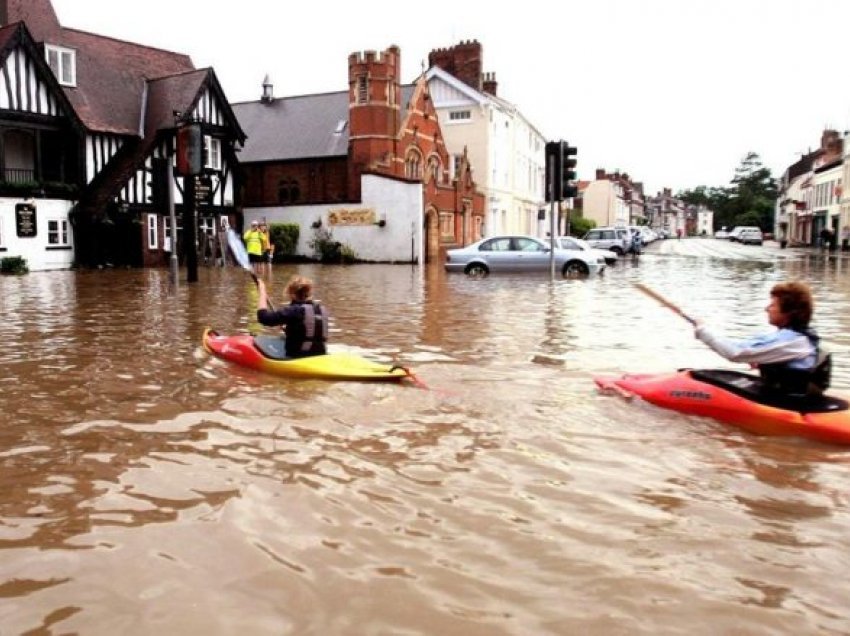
[25,220]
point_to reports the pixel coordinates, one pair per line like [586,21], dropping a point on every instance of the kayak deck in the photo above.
[242,350]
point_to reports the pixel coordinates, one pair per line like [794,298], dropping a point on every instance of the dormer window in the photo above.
[63,63]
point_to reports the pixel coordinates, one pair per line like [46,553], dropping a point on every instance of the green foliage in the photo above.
[327,250]
[579,226]
[13,265]
[748,200]
[284,237]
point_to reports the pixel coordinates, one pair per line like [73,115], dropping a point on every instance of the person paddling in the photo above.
[304,320]
[789,359]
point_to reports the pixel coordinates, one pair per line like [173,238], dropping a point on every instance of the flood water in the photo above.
[146,488]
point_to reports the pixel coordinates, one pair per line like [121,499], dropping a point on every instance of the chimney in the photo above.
[268,91]
[490,83]
[462,60]
[600,174]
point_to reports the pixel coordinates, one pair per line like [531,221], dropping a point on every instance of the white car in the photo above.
[573,243]
[519,253]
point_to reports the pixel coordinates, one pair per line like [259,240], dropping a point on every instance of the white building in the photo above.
[506,151]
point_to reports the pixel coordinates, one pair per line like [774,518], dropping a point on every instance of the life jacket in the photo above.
[315,329]
[780,377]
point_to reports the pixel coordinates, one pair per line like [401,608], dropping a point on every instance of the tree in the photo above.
[748,200]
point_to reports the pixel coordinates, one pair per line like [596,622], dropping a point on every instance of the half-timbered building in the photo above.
[84,119]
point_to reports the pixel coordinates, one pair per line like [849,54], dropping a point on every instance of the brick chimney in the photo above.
[490,84]
[463,60]
[600,174]
[267,96]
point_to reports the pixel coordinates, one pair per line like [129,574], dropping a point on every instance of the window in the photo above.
[502,244]
[413,165]
[362,89]
[433,169]
[288,191]
[340,126]
[212,146]
[153,234]
[447,226]
[63,63]
[457,160]
[166,231]
[460,115]
[57,233]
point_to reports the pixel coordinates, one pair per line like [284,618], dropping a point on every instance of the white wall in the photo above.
[396,202]
[36,249]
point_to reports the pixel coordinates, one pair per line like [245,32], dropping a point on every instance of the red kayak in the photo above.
[739,399]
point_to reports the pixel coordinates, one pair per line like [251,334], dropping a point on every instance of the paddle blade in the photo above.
[237,248]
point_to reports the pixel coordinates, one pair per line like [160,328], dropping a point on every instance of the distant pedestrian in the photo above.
[678,233]
[825,238]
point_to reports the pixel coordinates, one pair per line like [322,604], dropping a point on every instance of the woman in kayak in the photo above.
[789,358]
[304,320]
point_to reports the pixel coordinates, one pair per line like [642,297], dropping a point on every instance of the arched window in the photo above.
[413,164]
[433,170]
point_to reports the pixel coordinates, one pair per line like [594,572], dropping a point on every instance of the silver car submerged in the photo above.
[518,253]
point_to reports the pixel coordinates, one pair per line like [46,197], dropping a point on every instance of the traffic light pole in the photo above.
[551,171]
[190,242]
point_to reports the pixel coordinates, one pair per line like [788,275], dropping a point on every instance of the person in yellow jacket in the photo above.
[268,248]
[253,238]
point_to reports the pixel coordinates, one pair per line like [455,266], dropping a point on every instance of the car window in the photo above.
[502,244]
[608,234]
[527,245]
[592,235]
[567,244]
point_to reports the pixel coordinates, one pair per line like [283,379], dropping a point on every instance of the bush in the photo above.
[13,265]
[579,226]
[284,237]
[328,250]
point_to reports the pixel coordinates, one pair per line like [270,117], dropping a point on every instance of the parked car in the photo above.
[520,254]
[736,231]
[573,243]
[609,238]
[722,233]
[751,237]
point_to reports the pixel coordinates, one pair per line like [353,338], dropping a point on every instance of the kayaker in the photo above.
[253,238]
[788,359]
[304,320]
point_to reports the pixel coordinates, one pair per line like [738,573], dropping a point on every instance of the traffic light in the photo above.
[554,169]
[569,187]
[190,150]
[159,183]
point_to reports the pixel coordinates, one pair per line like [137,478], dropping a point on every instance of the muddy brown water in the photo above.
[146,488]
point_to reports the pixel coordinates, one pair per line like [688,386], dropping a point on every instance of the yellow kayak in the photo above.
[253,352]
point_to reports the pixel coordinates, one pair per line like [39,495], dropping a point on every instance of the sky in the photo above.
[673,92]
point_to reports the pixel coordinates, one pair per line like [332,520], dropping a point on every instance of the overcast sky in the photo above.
[673,92]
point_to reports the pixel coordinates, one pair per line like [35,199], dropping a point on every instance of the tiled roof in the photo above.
[111,77]
[298,127]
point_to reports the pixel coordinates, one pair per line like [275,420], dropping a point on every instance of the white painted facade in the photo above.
[824,198]
[52,246]
[396,203]
[506,151]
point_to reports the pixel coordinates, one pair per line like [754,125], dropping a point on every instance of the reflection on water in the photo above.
[147,487]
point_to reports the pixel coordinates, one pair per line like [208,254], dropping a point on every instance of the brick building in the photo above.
[369,163]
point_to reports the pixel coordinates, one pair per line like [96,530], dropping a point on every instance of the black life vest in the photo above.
[780,377]
[315,329]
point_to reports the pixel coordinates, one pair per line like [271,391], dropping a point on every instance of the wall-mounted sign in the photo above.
[25,220]
[356,216]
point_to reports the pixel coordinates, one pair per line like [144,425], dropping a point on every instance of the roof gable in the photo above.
[40,96]
[450,91]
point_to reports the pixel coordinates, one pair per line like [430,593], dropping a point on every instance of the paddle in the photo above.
[654,294]
[237,248]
